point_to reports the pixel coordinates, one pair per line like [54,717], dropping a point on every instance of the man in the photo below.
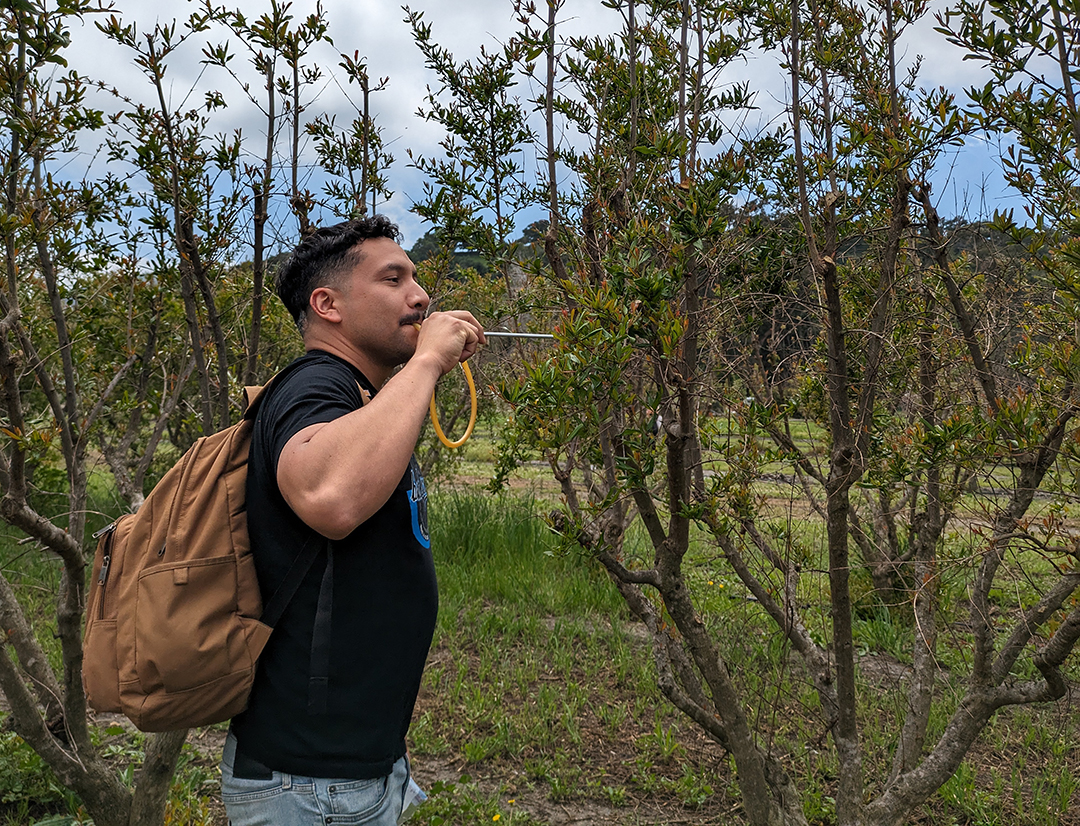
[323,738]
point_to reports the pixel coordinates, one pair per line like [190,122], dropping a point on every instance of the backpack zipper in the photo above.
[103,574]
[106,561]
[107,529]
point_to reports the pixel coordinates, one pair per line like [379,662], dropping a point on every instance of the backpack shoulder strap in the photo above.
[274,609]
[253,395]
[281,598]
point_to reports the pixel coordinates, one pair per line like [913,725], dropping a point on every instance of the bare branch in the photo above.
[1060,646]
[789,622]
[648,576]
[1029,624]
[23,517]
[33,660]
[99,405]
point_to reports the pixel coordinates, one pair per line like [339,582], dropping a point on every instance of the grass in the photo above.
[540,694]
[537,687]
[28,788]
[499,550]
[31,794]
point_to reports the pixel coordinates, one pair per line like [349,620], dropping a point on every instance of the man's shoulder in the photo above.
[321,360]
[318,369]
[314,379]
[315,388]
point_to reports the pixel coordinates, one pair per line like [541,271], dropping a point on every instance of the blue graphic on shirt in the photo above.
[418,504]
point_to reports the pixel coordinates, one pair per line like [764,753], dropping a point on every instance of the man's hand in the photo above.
[449,338]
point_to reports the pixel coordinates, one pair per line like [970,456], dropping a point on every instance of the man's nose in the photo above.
[421,299]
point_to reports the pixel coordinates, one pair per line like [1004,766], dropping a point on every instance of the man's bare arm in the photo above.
[336,475]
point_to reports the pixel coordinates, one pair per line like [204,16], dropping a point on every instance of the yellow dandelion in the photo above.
[496,817]
[710,582]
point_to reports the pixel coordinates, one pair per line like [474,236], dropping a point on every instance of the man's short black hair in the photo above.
[321,257]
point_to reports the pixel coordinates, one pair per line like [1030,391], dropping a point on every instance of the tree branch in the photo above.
[32,659]
[23,517]
[1030,623]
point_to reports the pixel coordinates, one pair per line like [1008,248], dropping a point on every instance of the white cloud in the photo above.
[378,32]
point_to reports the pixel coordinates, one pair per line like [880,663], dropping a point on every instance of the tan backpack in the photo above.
[175,621]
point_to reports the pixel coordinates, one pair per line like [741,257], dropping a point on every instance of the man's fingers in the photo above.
[455,334]
[476,328]
[472,343]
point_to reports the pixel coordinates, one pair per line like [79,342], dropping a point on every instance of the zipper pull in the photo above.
[106,561]
[107,529]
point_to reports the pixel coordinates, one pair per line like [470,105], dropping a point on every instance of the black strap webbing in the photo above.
[281,598]
[319,681]
[318,686]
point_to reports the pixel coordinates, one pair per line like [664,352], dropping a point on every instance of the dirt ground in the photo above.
[611,760]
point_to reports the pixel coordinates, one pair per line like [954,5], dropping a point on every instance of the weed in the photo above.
[425,739]
[879,632]
[565,784]
[463,803]
[662,743]
[612,717]
[193,784]
[475,751]
[28,785]
[819,808]
[692,788]
[615,795]
[645,777]
[965,797]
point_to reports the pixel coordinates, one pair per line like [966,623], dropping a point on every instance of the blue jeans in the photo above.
[291,800]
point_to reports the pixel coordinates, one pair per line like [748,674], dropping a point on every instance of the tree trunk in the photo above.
[153,779]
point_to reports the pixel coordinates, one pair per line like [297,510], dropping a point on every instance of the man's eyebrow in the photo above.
[395,266]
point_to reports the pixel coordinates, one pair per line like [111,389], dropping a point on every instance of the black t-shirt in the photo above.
[385,601]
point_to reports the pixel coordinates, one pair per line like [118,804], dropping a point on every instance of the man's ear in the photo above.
[323,304]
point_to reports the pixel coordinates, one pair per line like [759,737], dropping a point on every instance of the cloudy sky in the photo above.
[378,32]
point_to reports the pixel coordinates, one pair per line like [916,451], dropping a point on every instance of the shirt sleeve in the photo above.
[322,392]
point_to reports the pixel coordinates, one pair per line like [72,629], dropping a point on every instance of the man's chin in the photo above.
[403,353]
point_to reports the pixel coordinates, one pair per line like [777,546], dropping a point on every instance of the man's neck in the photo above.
[374,373]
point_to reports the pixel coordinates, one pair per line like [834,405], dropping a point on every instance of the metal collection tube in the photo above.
[501,334]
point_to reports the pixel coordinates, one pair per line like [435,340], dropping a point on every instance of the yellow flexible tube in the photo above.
[472,413]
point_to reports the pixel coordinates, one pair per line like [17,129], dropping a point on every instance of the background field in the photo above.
[540,705]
